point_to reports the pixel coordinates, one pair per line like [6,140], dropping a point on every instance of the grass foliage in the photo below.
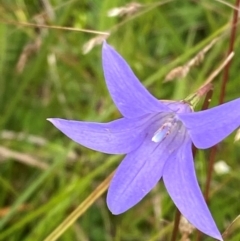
[44,176]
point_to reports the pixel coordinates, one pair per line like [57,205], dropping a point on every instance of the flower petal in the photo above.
[181,183]
[129,95]
[116,137]
[209,127]
[139,172]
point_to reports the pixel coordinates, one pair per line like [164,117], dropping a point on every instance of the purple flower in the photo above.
[157,137]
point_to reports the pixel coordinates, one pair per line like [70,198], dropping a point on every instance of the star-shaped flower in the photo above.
[157,137]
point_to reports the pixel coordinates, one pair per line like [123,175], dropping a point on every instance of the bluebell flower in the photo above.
[157,137]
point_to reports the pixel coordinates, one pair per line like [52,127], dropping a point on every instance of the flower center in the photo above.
[164,130]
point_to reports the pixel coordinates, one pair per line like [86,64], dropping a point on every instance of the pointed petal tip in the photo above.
[107,49]
[220,238]
[114,212]
[209,127]
[217,236]
[106,46]
[114,207]
[129,95]
[53,120]
[181,183]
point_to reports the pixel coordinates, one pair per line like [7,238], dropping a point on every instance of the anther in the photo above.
[162,132]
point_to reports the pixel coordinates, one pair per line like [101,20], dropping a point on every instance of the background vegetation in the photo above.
[44,73]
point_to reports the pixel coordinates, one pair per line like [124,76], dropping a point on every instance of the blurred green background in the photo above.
[46,73]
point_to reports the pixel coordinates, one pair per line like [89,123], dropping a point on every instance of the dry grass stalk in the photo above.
[89,45]
[234,225]
[26,159]
[217,71]
[128,10]
[185,229]
[48,9]
[5,210]
[182,71]
[131,10]
[237,136]
[44,26]
[228,4]
[29,50]
[21,136]
[204,89]
[32,139]
[207,85]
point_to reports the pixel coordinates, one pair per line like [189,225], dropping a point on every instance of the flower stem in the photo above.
[176,224]
[225,79]
[230,49]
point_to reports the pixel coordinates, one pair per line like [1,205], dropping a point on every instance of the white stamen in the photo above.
[162,132]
